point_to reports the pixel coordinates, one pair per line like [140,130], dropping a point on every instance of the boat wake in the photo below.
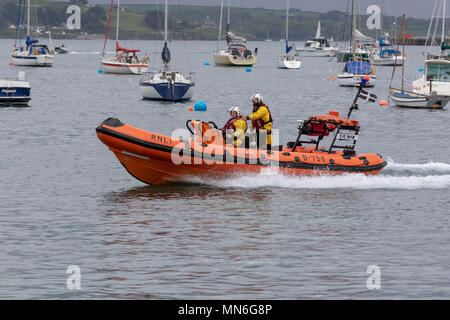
[395,176]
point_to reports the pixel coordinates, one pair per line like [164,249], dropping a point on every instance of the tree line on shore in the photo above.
[198,22]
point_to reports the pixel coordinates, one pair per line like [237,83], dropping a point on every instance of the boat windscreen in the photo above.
[438,71]
[358,67]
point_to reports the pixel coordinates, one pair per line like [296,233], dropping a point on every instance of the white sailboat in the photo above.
[317,46]
[125,61]
[288,60]
[386,55]
[237,53]
[357,68]
[34,54]
[166,84]
[432,90]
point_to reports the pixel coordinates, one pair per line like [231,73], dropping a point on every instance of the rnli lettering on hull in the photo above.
[160,139]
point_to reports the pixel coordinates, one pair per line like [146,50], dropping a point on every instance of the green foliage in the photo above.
[94,20]
[154,20]
[146,21]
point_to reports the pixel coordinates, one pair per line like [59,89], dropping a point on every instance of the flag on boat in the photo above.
[367,96]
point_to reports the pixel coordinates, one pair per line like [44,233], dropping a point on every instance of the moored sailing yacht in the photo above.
[34,55]
[166,84]
[288,60]
[358,67]
[386,55]
[237,53]
[125,61]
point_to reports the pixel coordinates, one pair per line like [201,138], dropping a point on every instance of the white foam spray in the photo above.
[397,176]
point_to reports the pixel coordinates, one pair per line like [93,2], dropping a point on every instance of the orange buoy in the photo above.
[332,78]
[11,64]
[190,109]
[384,103]
[367,78]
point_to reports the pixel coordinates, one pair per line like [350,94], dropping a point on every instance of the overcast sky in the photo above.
[412,8]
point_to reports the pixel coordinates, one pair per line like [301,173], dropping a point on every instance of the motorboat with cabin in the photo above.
[432,89]
[15,92]
[317,46]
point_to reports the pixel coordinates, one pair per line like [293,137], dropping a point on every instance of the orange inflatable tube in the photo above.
[157,159]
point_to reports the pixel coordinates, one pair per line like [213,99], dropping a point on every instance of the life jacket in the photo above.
[259,123]
[230,124]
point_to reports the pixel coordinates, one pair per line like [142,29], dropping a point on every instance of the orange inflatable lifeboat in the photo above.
[156,159]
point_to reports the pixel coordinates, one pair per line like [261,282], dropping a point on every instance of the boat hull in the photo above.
[387,61]
[44,60]
[315,52]
[14,92]
[61,50]
[289,64]
[166,91]
[409,99]
[116,67]
[154,159]
[225,59]
[350,80]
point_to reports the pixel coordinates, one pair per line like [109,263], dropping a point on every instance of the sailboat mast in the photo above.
[165,21]
[443,28]
[117,22]
[287,21]
[431,23]
[228,18]
[403,51]
[28,18]
[353,28]
[220,25]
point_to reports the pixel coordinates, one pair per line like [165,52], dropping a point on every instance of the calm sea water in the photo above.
[65,199]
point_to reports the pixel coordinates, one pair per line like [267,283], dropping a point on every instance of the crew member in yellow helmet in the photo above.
[235,127]
[261,121]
